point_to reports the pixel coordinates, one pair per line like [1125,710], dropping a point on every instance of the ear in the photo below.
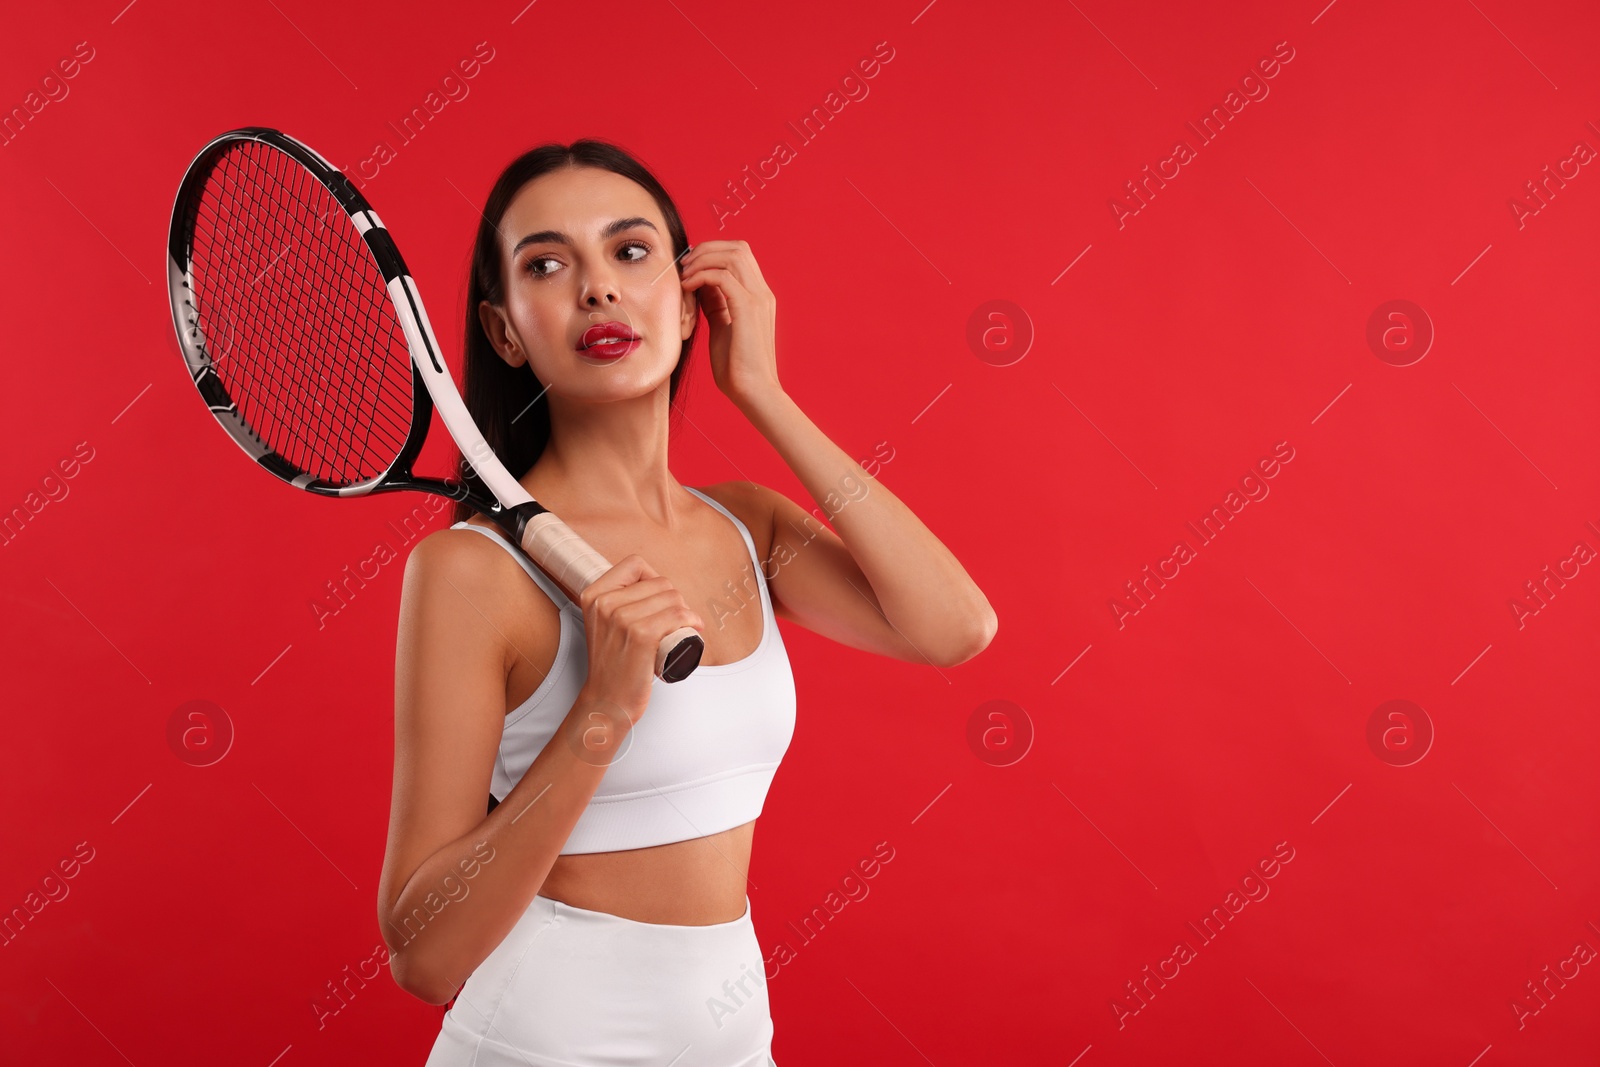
[689,313]
[493,321]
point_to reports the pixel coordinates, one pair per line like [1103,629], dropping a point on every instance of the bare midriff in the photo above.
[686,883]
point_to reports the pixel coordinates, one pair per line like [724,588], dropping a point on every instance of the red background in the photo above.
[1227,716]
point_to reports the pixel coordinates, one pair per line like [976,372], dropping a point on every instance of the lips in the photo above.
[607,339]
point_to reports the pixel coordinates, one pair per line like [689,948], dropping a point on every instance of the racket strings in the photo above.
[273,250]
[345,408]
[325,406]
[297,320]
[344,413]
[259,377]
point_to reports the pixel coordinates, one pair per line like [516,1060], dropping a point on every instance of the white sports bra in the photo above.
[700,759]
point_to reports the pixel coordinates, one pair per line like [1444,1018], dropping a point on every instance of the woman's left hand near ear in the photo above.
[742,313]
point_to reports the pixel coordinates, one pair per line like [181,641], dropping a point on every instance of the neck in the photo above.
[607,461]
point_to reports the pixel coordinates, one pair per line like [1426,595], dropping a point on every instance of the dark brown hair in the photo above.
[508,403]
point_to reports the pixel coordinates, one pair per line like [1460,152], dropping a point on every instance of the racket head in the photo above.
[304,333]
[278,277]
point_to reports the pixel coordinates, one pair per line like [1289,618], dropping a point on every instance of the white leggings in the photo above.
[569,987]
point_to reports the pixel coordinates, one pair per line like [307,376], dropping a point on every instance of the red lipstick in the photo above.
[608,340]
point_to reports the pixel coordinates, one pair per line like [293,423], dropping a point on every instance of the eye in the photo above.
[532,263]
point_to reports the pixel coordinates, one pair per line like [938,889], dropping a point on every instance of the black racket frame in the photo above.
[194,345]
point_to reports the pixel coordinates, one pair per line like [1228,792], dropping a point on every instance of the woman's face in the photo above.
[580,269]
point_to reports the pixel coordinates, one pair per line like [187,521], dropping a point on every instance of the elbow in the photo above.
[438,997]
[417,981]
[429,992]
[977,640]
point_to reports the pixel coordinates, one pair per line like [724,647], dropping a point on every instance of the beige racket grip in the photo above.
[569,561]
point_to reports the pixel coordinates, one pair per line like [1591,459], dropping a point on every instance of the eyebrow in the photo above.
[557,237]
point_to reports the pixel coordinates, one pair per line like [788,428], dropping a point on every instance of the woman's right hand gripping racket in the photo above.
[303,330]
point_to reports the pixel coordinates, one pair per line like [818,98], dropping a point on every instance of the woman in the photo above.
[598,914]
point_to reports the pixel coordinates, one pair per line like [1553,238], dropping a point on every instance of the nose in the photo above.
[599,286]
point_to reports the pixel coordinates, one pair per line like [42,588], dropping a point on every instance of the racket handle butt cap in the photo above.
[679,654]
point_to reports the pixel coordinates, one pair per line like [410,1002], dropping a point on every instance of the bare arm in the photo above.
[884,582]
[456,881]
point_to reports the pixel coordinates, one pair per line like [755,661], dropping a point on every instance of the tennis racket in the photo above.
[305,334]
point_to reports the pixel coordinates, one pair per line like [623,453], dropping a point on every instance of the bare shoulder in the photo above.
[461,558]
[454,575]
[754,504]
